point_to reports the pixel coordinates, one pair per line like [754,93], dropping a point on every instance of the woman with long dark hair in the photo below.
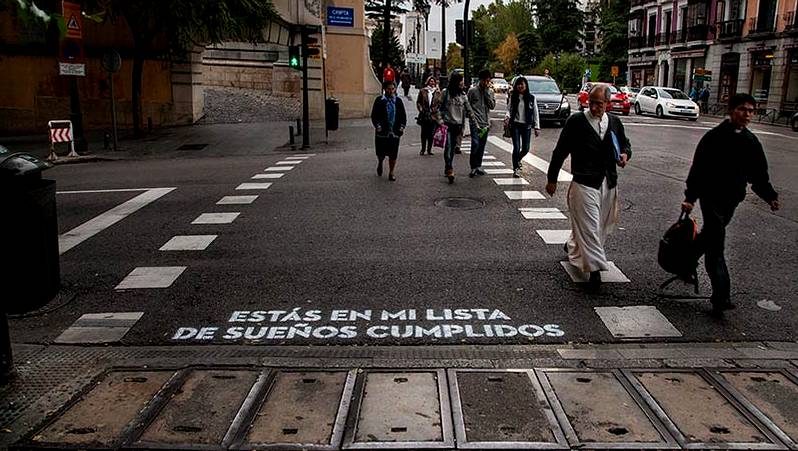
[428,104]
[389,120]
[453,112]
[522,117]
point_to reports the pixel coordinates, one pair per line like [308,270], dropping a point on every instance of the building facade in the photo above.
[739,45]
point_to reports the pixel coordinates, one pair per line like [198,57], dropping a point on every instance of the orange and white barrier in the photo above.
[60,132]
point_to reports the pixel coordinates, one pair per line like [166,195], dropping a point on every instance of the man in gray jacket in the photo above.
[481,99]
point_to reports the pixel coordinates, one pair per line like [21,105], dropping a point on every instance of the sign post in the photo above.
[71,64]
[112,62]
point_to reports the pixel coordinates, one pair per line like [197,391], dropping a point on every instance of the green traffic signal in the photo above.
[293,57]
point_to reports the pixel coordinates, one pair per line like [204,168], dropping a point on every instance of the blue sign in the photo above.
[341,17]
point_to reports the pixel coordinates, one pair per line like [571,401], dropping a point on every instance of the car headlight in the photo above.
[669,104]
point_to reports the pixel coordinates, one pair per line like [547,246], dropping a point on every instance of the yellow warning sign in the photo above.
[74,22]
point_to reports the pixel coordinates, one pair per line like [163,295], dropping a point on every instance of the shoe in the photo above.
[458,151]
[479,171]
[430,153]
[595,278]
[379,169]
[719,307]
[516,173]
[422,152]
[565,247]
[473,173]
[450,175]
[391,177]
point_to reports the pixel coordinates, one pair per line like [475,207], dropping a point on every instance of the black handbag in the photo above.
[507,133]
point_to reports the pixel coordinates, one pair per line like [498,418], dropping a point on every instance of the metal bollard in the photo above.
[291,135]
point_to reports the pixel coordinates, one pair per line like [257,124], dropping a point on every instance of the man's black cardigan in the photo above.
[592,158]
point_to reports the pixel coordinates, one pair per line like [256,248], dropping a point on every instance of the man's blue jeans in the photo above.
[522,134]
[477,147]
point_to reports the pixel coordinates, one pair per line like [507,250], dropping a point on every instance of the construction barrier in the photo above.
[61,132]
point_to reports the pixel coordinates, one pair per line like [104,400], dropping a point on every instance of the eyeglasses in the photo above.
[743,109]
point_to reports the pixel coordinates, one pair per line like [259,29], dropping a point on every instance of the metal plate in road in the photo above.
[100,418]
[774,397]
[402,410]
[201,411]
[598,411]
[699,415]
[502,409]
[302,408]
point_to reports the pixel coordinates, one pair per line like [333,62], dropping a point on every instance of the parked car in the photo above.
[619,101]
[552,104]
[630,92]
[665,102]
[500,85]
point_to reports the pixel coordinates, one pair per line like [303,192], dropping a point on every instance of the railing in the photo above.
[697,33]
[755,25]
[651,40]
[666,38]
[730,29]
[641,2]
[637,42]
[789,21]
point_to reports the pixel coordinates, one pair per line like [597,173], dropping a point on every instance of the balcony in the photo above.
[790,23]
[666,38]
[763,26]
[637,42]
[730,29]
[697,33]
[636,3]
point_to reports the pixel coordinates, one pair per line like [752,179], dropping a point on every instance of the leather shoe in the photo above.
[595,278]
[391,177]
[379,169]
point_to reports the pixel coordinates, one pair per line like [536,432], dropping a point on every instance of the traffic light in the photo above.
[459,36]
[312,47]
[293,57]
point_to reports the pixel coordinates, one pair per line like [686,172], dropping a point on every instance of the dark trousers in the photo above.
[712,240]
[522,134]
[427,131]
[477,147]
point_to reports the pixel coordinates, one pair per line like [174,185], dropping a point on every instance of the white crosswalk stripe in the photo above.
[511,181]
[524,195]
[612,275]
[542,213]
[554,236]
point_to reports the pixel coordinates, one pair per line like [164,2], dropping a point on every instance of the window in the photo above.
[673,94]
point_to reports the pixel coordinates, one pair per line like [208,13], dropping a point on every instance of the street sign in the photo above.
[73,20]
[340,17]
[614,71]
[72,69]
[416,58]
[111,61]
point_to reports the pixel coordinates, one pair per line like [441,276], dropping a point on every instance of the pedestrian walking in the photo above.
[405,77]
[454,110]
[389,74]
[481,100]
[428,105]
[703,96]
[427,73]
[597,144]
[726,159]
[694,94]
[389,119]
[521,118]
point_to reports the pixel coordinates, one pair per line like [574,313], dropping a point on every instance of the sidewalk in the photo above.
[628,396]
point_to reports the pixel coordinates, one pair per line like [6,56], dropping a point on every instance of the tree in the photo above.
[182,24]
[375,9]
[560,24]
[507,53]
[568,69]
[396,54]
[454,56]
[492,25]
[614,19]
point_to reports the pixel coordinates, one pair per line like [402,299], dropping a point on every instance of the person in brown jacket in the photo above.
[428,103]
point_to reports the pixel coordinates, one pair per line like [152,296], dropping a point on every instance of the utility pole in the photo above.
[386,35]
[466,44]
[305,106]
[443,38]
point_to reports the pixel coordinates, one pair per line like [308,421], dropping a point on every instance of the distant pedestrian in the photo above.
[727,159]
[405,77]
[521,118]
[427,73]
[388,74]
[453,112]
[694,94]
[482,100]
[597,144]
[703,96]
[428,105]
[389,119]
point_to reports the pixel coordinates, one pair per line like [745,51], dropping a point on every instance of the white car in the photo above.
[500,85]
[665,102]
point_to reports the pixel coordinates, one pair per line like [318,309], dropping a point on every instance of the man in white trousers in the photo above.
[597,144]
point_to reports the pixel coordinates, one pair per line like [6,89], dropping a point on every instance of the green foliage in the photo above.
[396,54]
[375,9]
[492,24]
[567,71]
[454,56]
[614,39]
[560,25]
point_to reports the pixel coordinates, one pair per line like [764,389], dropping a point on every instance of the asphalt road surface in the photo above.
[330,253]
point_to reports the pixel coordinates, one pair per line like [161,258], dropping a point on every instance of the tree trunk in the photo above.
[138,70]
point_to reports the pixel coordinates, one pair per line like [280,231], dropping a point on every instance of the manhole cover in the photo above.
[460,203]
[192,147]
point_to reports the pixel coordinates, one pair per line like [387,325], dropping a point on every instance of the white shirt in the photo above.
[430,95]
[600,125]
[520,115]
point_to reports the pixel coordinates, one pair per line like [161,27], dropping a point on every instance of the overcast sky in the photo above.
[453,12]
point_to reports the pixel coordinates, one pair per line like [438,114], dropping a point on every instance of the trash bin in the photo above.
[29,231]
[331,113]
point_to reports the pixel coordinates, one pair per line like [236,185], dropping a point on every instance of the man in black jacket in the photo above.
[727,158]
[597,144]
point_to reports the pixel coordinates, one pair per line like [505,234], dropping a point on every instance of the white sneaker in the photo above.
[517,173]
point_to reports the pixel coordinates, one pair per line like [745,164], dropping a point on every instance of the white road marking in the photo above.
[488,157]
[188,243]
[296,158]
[251,186]
[512,181]
[151,277]
[275,175]
[215,218]
[305,155]
[492,163]
[533,160]
[99,223]
[554,236]
[524,195]
[542,213]
[636,321]
[499,171]
[613,275]
[289,162]
[99,328]
[278,168]
[94,191]
[237,200]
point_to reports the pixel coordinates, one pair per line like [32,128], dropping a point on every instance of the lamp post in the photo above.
[443,37]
